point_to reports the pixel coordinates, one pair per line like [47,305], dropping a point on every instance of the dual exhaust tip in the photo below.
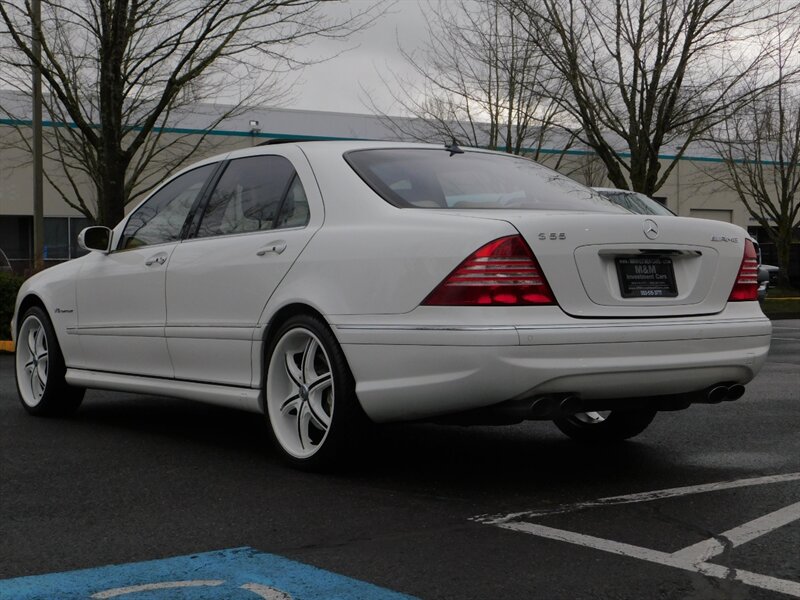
[720,393]
[552,406]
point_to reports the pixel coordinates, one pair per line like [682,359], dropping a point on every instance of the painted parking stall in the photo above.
[705,557]
[239,573]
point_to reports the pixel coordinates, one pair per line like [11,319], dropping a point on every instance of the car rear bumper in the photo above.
[404,371]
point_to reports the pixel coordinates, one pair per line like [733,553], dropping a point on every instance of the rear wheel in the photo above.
[311,405]
[40,369]
[605,426]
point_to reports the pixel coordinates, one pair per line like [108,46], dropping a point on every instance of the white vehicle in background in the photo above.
[638,203]
[635,202]
[326,284]
[5,266]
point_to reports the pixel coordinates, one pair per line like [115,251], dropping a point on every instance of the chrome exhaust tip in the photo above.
[570,405]
[735,392]
[717,394]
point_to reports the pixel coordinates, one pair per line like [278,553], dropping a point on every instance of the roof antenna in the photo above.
[453,148]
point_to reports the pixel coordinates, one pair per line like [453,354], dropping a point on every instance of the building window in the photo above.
[16,237]
[56,238]
[60,239]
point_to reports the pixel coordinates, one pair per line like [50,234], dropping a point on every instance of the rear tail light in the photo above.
[746,286]
[501,273]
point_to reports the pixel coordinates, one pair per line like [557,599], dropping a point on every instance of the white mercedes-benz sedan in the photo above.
[330,284]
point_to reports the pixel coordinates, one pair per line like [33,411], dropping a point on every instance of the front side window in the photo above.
[249,197]
[433,178]
[161,218]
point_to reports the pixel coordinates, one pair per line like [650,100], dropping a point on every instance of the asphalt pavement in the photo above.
[704,504]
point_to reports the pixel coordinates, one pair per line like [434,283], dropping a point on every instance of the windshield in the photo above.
[432,178]
[636,202]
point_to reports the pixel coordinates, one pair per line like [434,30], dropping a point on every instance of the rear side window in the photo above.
[432,178]
[250,196]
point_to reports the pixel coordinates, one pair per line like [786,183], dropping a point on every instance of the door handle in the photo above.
[273,247]
[158,259]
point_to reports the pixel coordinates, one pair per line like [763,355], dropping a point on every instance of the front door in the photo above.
[120,296]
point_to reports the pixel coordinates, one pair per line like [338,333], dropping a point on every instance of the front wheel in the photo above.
[311,405]
[605,426]
[40,369]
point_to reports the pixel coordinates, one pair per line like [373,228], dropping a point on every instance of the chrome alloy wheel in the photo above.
[300,392]
[33,361]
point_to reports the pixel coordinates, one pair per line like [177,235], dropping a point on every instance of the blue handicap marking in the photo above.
[235,574]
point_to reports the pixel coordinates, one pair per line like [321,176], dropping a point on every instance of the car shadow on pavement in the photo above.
[530,454]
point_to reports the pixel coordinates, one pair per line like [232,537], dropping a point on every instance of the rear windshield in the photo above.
[432,178]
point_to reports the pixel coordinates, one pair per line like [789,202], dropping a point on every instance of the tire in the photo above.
[40,369]
[605,426]
[310,403]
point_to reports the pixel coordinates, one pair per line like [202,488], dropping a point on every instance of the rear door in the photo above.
[261,214]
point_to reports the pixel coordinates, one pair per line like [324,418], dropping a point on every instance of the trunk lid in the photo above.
[621,265]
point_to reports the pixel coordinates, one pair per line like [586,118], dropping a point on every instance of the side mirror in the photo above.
[95,238]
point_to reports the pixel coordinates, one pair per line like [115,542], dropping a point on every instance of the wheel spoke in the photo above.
[323,419]
[303,420]
[42,379]
[308,360]
[292,370]
[36,387]
[291,403]
[32,341]
[321,383]
[41,342]
[29,365]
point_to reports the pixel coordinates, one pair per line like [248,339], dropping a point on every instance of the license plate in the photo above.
[646,277]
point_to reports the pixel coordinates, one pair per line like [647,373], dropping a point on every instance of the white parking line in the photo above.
[641,497]
[742,534]
[784,586]
[693,558]
[266,592]
[164,585]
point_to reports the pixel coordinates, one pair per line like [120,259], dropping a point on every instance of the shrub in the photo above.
[9,286]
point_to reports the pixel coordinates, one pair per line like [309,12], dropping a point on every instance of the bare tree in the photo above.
[481,81]
[118,72]
[645,74]
[760,148]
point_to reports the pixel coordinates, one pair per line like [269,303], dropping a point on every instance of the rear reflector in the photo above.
[746,286]
[501,273]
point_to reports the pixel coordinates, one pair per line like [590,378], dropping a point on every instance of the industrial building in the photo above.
[690,190]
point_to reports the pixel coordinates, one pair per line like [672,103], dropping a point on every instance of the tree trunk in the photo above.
[783,249]
[111,192]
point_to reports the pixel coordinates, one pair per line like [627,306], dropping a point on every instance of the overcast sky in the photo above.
[335,85]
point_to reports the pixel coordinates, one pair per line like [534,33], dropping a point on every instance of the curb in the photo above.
[6,346]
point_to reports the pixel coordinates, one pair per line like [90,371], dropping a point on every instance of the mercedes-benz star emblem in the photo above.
[650,229]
